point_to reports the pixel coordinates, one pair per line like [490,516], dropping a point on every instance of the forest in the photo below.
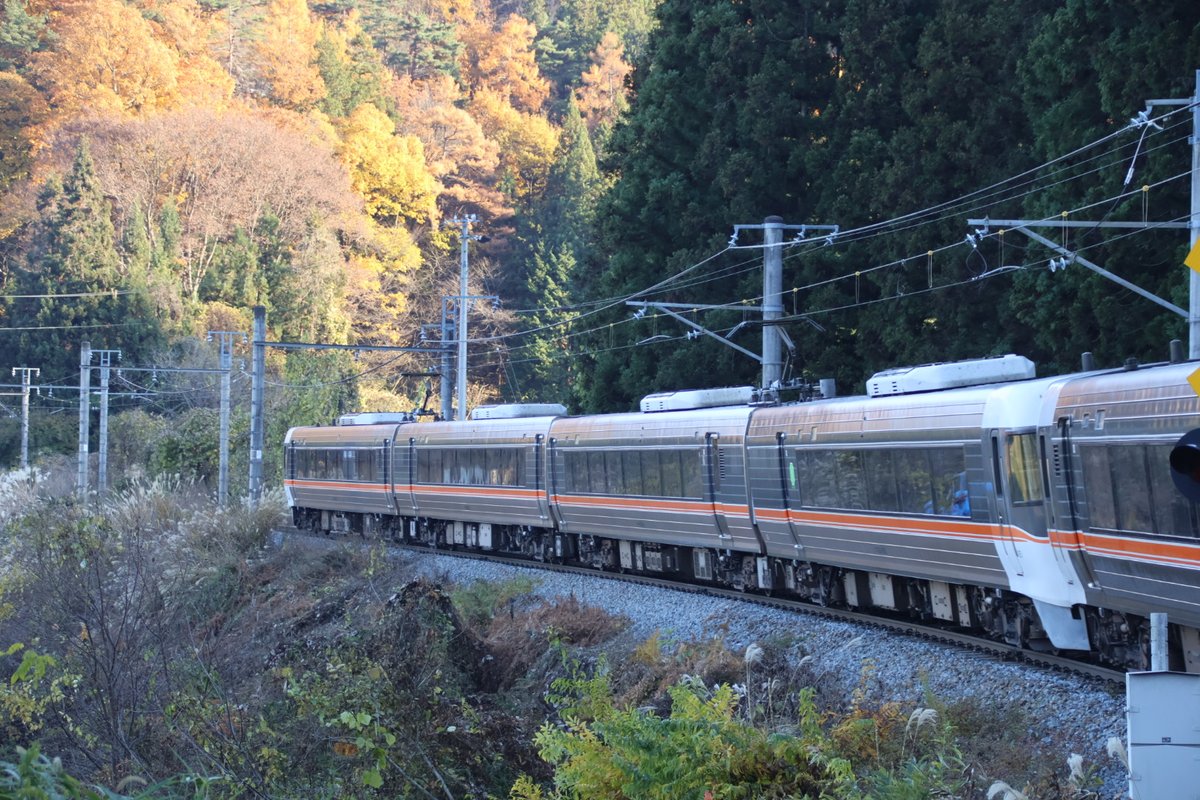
[168,164]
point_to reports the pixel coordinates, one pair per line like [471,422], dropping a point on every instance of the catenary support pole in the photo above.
[257,381]
[25,373]
[102,469]
[464,241]
[225,340]
[85,379]
[447,401]
[1194,229]
[772,351]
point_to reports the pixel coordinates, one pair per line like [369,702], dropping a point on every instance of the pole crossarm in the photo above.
[830,230]
[694,306]
[1101,271]
[663,307]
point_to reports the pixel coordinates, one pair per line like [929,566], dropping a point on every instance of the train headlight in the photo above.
[1185,465]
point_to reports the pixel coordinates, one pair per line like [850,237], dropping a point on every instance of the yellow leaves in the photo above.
[527,141]
[107,60]
[288,49]
[386,170]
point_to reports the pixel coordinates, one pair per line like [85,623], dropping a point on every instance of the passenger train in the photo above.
[1042,511]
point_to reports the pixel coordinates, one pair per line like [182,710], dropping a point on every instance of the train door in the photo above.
[552,482]
[539,477]
[1020,489]
[385,473]
[714,471]
[411,474]
[789,488]
[1066,522]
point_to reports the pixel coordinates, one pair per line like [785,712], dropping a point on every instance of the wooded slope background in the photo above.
[188,159]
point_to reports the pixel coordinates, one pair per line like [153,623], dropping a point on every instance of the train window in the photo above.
[1024,470]
[501,467]
[1174,514]
[631,468]
[575,465]
[1133,497]
[596,481]
[350,465]
[818,486]
[881,480]
[1097,484]
[613,474]
[851,492]
[435,466]
[693,469]
[913,484]
[672,479]
[947,467]
[651,473]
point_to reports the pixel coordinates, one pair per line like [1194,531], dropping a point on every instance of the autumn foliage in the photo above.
[277,152]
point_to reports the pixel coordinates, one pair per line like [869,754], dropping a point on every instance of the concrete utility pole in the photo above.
[772,351]
[258,371]
[447,402]
[1194,229]
[225,340]
[772,307]
[25,372]
[464,240]
[105,365]
[85,379]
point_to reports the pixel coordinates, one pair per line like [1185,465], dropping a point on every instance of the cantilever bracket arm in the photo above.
[1103,272]
[663,307]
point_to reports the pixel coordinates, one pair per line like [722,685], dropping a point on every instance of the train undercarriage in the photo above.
[1119,640]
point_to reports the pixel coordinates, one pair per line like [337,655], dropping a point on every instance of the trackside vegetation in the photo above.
[153,645]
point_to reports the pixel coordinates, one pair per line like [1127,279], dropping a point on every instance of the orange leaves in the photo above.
[602,97]
[502,61]
[288,52]
[107,60]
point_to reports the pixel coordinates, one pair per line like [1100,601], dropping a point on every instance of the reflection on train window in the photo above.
[1024,469]
[910,480]
[491,466]
[358,465]
[653,473]
[1128,487]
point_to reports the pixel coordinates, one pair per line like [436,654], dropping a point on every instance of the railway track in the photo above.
[999,651]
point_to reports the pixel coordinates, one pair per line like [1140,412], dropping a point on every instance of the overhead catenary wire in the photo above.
[856,234]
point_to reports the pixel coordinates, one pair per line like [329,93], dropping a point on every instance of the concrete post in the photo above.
[772,350]
[25,373]
[85,380]
[1194,230]
[102,471]
[258,371]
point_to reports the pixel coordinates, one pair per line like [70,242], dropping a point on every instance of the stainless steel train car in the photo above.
[1040,510]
